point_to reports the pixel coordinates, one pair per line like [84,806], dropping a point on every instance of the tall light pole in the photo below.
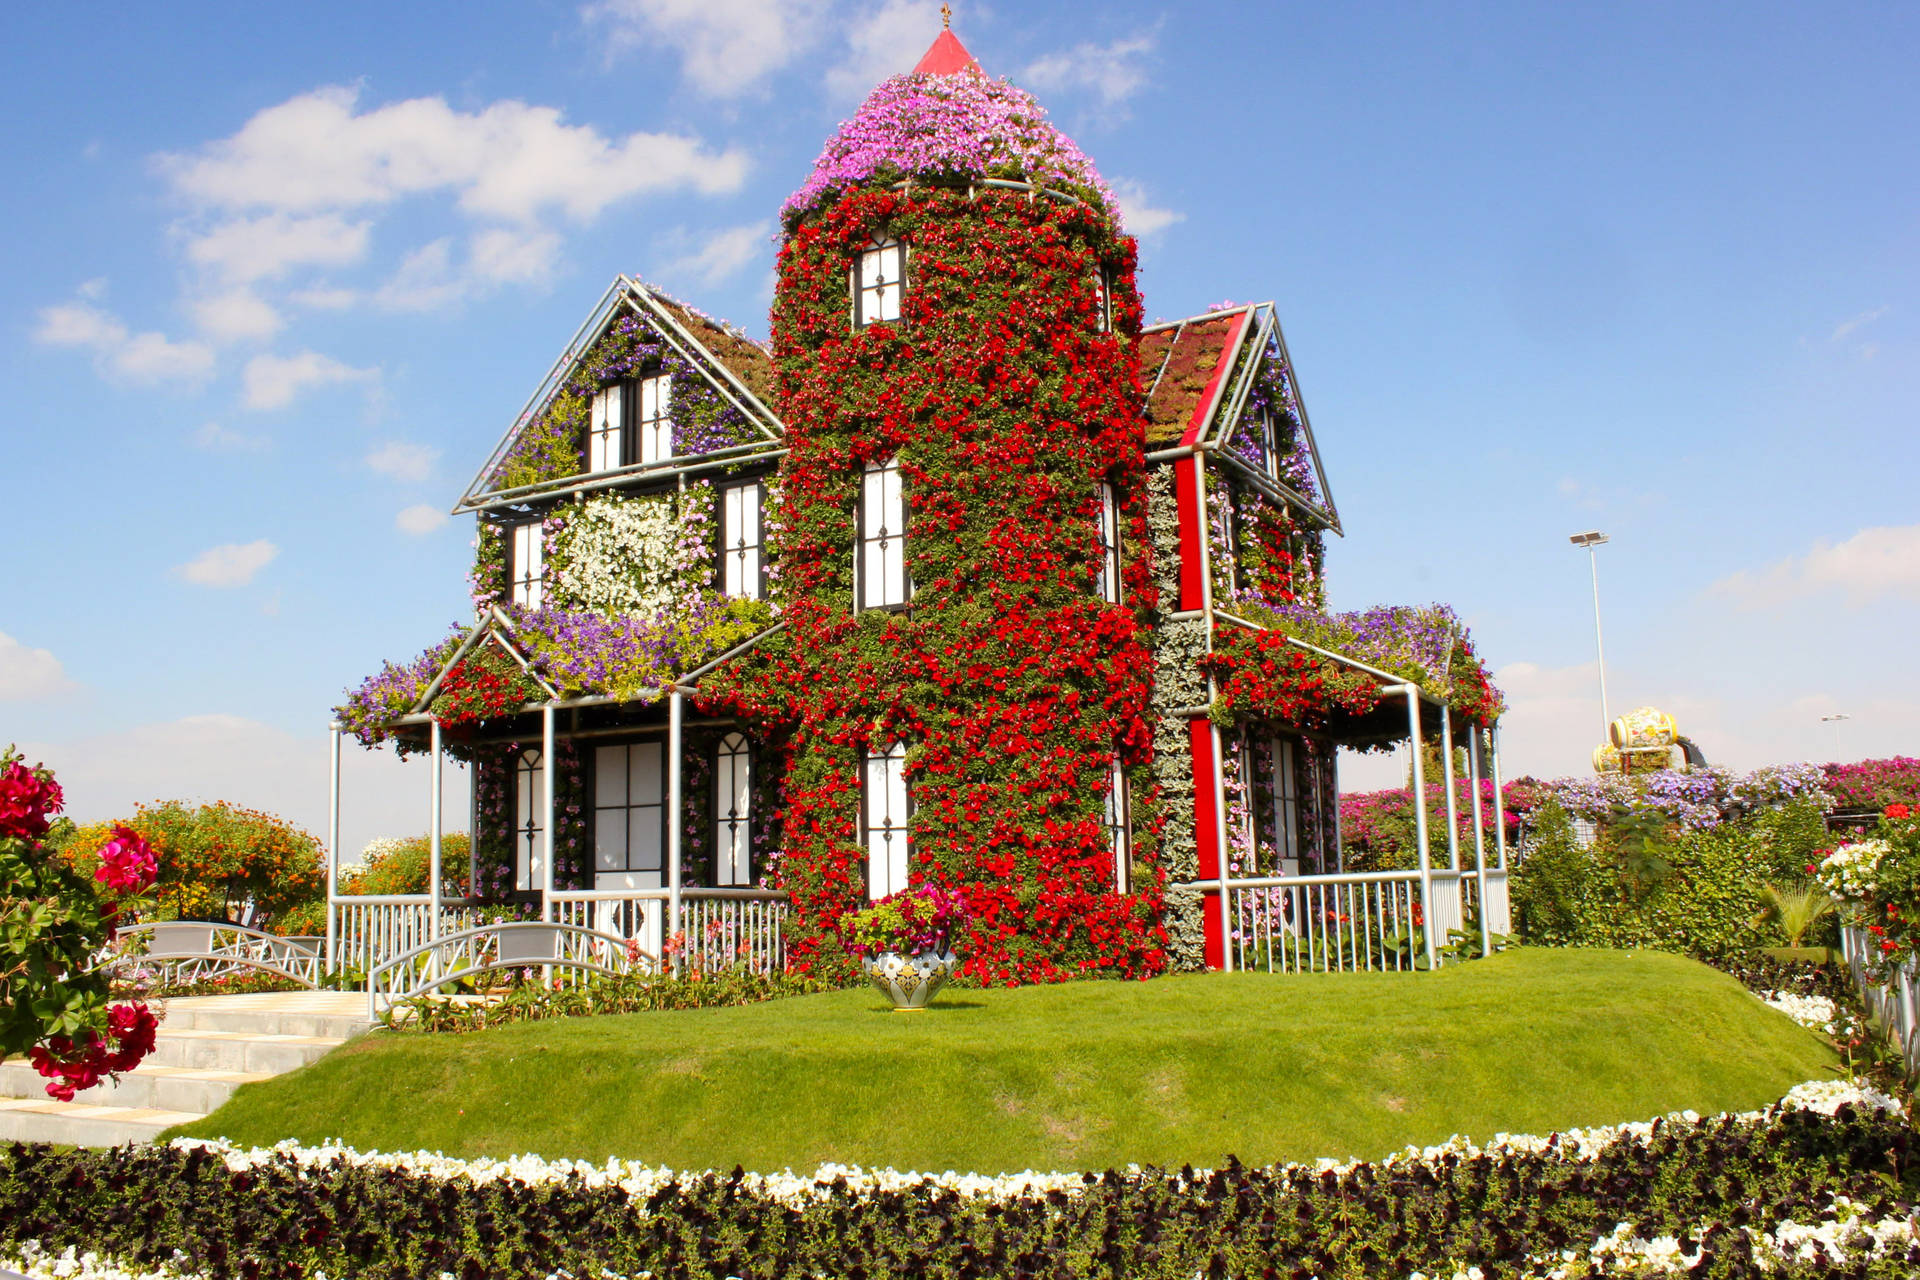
[1591,539]
[1835,720]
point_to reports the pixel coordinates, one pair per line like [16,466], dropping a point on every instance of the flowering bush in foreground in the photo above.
[1877,881]
[1820,1184]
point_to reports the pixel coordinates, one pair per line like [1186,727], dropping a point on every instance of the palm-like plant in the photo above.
[1796,908]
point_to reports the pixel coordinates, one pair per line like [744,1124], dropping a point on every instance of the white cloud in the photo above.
[1137,211]
[202,758]
[27,674]
[272,382]
[408,463]
[429,278]
[726,253]
[119,352]
[324,298]
[235,315]
[243,250]
[726,47]
[219,439]
[1860,321]
[887,42]
[233,564]
[1875,564]
[316,153]
[513,256]
[1114,72]
[425,280]
[420,519]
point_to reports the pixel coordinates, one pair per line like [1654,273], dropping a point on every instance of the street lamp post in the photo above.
[1591,539]
[1835,720]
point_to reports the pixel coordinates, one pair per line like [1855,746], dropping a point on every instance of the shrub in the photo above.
[402,865]
[1877,881]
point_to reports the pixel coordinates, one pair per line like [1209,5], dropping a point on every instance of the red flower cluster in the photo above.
[73,1066]
[482,685]
[127,862]
[1014,686]
[1261,676]
[27,798]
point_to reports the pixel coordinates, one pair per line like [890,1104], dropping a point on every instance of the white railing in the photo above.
[719,928]
[371,930]
[1446,910]
[1496,903]
[1323,924]
[182,952]
[560,955]
[1897,1004]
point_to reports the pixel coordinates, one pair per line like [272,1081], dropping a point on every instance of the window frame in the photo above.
[529,830]
[724,554]
[1107,583]
[598,805]
[733,829]
[600,435]
[652,437]
[862,540]
[527,590]
[1118,819]
[893,759]
[901,253]
[1103,298]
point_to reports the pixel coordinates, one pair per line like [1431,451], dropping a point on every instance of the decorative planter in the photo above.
[912,981]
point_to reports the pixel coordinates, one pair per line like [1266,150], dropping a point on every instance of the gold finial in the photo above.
[946,17]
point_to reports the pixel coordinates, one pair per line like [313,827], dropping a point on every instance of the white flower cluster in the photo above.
[1816,1013]
[1841,1234]
[32,1259]
[1852,872]
[640,1181]
[621,555]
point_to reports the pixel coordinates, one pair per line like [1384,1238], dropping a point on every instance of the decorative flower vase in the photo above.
[912,981]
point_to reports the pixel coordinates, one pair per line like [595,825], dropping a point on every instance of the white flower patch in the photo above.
[30,1258]
[1816,1013]
[619,555]
[1852,871]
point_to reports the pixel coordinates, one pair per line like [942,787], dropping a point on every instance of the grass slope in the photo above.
[1088,1075]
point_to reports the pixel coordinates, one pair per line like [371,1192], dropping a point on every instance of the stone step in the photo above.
[182,1016]
[195,1089]
[237,1050]
[81,1124]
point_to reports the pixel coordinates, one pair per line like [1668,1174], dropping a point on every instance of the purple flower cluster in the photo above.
[1697,800]
[579,651]
[1416,643]
[392,692]
[949,127]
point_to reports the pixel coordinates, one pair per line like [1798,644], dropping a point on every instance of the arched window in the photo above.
[529,822]
[887,804]
[1107,573]
[732,812]
[1116,820]
[527,564]
[879,281]
[880,570]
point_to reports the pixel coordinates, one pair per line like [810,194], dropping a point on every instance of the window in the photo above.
[741,573]
[1102,301]
[527,564]
[629,816]
[732,809]
[879,279]
[655,430]
[881,568]
[887,804]
[1115,807]
[529,822]
[606,428]
[1269,435]
[1106,577]
[1286,807]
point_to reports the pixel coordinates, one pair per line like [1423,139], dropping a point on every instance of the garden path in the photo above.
[207,1047]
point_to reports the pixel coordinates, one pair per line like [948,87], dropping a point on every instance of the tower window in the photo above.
[1115,816]
[880,278]
[1107,574]
[606,428]
[887,802]
[741,573]
[882,560]
[732,809]
[654,428]
[1269,443]
[527,564]
[1102,301]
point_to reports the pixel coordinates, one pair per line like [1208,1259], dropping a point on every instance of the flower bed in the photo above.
[1820,1184]
[1877,882]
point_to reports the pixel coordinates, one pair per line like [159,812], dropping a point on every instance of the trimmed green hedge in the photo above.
[1566,895]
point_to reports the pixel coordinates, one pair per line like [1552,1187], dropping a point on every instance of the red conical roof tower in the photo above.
[946,56]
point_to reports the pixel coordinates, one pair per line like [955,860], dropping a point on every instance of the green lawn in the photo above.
[1088,1075]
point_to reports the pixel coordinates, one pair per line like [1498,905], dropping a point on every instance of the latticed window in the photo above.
[655,430]
[527,564]
[879,281]
[606,428]
[1115,816]
[1107,574]
[881,566]
[741,571]
[529,822]
[886,802]
[629,816]
[732,809]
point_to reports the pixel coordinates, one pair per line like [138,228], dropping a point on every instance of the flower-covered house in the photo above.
[973,578]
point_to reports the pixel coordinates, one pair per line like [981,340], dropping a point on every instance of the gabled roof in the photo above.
[737,367]
[1198,384]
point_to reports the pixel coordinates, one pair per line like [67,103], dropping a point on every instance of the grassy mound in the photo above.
[1088,1075]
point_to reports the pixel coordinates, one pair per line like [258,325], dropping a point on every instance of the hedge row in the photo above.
[1717,1189]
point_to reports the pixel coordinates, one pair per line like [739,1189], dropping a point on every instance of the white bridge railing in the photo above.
[188,951]
[562,954]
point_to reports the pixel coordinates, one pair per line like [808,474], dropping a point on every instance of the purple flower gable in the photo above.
[954,126]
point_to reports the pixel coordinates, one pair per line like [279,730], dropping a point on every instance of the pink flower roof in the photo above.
[949,124]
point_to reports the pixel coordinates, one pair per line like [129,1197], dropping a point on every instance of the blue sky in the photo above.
[281,274]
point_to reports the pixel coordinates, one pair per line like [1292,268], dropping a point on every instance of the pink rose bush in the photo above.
[53,923]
